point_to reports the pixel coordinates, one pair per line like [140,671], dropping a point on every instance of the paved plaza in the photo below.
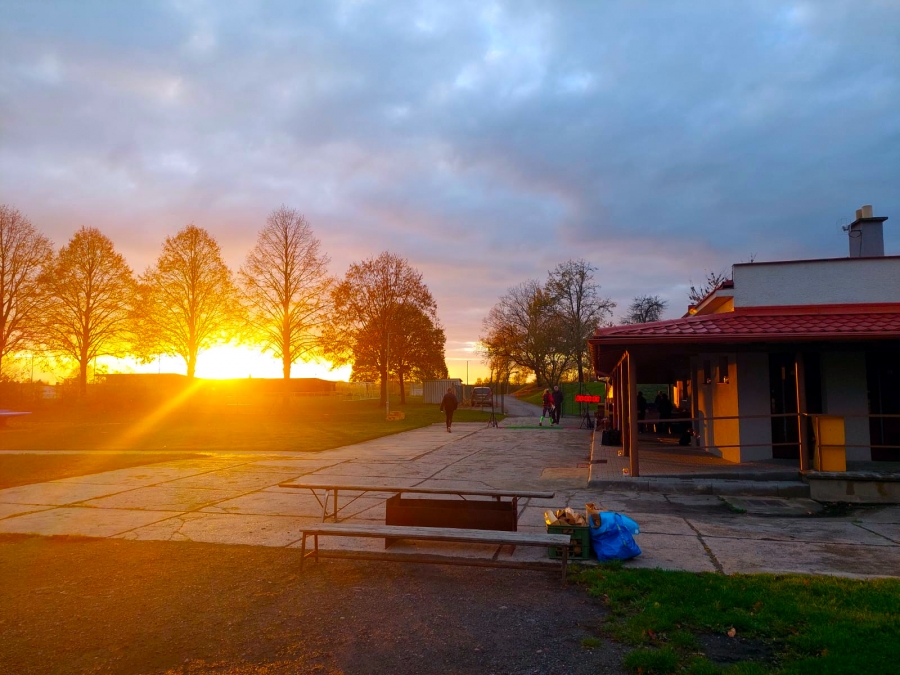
[236,499]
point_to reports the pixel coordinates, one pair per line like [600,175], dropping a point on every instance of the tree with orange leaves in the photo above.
[90,299]
[369,310]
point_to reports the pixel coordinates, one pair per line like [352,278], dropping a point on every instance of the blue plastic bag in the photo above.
[609,518]
[613,538]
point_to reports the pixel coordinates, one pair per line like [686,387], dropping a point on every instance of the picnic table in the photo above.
[333,490]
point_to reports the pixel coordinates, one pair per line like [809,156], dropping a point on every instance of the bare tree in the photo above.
[189,301]
[712,281]
[579,305]
[24,254]
[90,297]
[523,330]
[367,307]
[286,287]
[644,309]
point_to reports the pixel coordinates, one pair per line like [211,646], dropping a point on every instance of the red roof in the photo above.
[880,322]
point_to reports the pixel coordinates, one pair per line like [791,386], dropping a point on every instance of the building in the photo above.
[758,364]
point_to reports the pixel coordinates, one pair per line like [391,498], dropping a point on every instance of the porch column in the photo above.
[626,407]
[619,402]
[632,417]
[803,426]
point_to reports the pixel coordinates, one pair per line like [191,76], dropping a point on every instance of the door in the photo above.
[783,391]
[883,374]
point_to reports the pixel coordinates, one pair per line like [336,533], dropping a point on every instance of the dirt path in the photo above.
[105,606]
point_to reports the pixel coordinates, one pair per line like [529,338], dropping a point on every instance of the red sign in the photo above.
[587,398]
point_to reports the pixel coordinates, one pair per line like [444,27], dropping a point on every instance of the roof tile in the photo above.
[738,325]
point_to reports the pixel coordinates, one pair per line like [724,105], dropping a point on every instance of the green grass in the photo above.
[807,625]
[313,425]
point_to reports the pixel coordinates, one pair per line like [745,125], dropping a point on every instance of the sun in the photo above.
[226,362]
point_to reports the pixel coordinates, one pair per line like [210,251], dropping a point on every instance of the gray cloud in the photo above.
[485,142]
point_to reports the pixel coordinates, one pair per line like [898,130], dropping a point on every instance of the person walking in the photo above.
[449,404]
[547,407]
[557,404]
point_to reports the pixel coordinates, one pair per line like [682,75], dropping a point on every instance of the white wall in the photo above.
[754,398]
[844,392]
[817,282]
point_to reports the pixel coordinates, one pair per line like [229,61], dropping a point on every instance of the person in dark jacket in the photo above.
[449,404]
[642,410]
[557,404]
[665,414]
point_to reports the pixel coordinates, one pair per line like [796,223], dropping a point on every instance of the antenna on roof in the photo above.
[842,225]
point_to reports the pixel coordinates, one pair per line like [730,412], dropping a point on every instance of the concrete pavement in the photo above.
[236,500]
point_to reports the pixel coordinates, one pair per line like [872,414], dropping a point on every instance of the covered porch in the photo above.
[751,397]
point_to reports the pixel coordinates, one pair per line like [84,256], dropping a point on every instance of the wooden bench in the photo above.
[436,534]
[334,489]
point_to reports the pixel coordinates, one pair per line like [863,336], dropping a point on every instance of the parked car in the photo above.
[482,396]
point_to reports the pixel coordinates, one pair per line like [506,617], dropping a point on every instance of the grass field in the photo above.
[318,424]
[785,624]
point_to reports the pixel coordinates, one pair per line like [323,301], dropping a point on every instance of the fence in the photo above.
[358,391]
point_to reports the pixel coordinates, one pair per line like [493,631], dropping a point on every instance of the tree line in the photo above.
[83,301]
[541,328]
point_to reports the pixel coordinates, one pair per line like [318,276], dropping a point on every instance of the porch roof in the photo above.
[807,323]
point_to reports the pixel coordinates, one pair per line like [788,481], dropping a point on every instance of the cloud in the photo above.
[485,142]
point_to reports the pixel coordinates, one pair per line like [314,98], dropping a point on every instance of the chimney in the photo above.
[866,234]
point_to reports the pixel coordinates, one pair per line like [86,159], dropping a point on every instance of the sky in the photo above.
[486,142]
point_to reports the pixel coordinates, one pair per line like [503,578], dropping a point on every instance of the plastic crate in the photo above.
[579,549]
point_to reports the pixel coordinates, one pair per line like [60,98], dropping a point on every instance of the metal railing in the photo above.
[808,444]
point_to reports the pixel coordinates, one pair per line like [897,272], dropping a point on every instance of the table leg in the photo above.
[302,551]
[335,505]
[565,563]
[325,506]
[316,537]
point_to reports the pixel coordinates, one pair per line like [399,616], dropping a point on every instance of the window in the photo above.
[707,371]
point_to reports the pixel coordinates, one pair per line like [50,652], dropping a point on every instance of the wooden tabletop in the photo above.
[420,490]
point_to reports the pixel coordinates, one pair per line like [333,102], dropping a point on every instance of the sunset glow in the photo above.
[225,362]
